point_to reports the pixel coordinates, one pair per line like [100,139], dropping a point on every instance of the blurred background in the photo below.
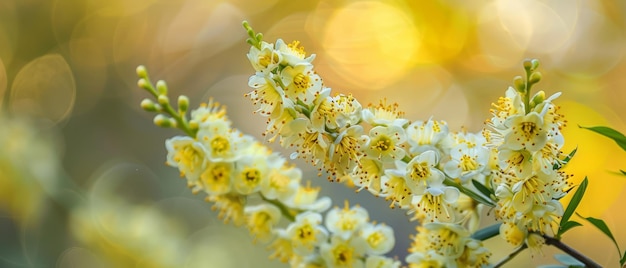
[83,181]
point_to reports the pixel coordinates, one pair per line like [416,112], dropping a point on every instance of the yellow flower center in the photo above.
[342,255]
[529,129]
[375,239]
[467,163]
[420,171]
[217,179]
[382,144]
[219,145]
[251,176]
[297,49]
[188,158]
[301,81]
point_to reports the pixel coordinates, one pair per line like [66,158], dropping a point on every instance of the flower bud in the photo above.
[538,98]
[534,78]
[149,105]
[534,64]
[520,86]
[162,121]
[163,100]
[183,103]
[161,87]
[143,83]
[193,125]
[142,72]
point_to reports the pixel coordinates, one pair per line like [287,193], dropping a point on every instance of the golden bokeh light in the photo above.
[44,88]
[371,44]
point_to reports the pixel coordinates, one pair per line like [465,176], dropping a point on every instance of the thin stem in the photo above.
[510,256]
[570,251]
[283,209]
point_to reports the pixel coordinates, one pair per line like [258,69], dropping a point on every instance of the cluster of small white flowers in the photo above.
[231,168]
[446,245]
[346,239]
[526,133]
[371,147]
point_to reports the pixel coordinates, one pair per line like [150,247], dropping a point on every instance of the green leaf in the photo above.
[568,225]
[623,172]
[598,223]
[623,260]
[610,133]
[571,207]
[482,188]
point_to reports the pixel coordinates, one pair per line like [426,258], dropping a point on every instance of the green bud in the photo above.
[534,64]
[534,78]
[142,72]
[520,85]
[538,98]
[162,121]
[193,125]
[528,65]
[161,87]
[183,103]
[149,105]
[143,83]
[164,100]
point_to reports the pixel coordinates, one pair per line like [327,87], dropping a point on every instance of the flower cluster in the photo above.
[372,147]
[526,133]
[438,175]
[252,186]
[446,245]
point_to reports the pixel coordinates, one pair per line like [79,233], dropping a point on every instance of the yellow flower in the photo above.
[306,233]
[187,155]
[344,222]
[385,143]
[342,253]
[261,219]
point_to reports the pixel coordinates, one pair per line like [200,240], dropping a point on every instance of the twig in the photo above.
[570,251]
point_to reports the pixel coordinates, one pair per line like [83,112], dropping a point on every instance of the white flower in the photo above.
[217,178]
[421,172]
[378,238]
[222,142]
[428,135]
[187,155]
[306,198]
[306,232]
[342,253]
[261,219]
[526,132]
[249,173]
[267,95]
[344,222]
[301,83]
[282,180]
[374,261]
[383,115]
[468,161]
[264,59]
[292,53]
[385,143]
[436,202]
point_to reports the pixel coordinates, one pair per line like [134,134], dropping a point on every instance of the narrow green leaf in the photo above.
[598,223]
[482,188]
[573,204]
[623,260]
[623,172]
[610,133]
[568,225]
